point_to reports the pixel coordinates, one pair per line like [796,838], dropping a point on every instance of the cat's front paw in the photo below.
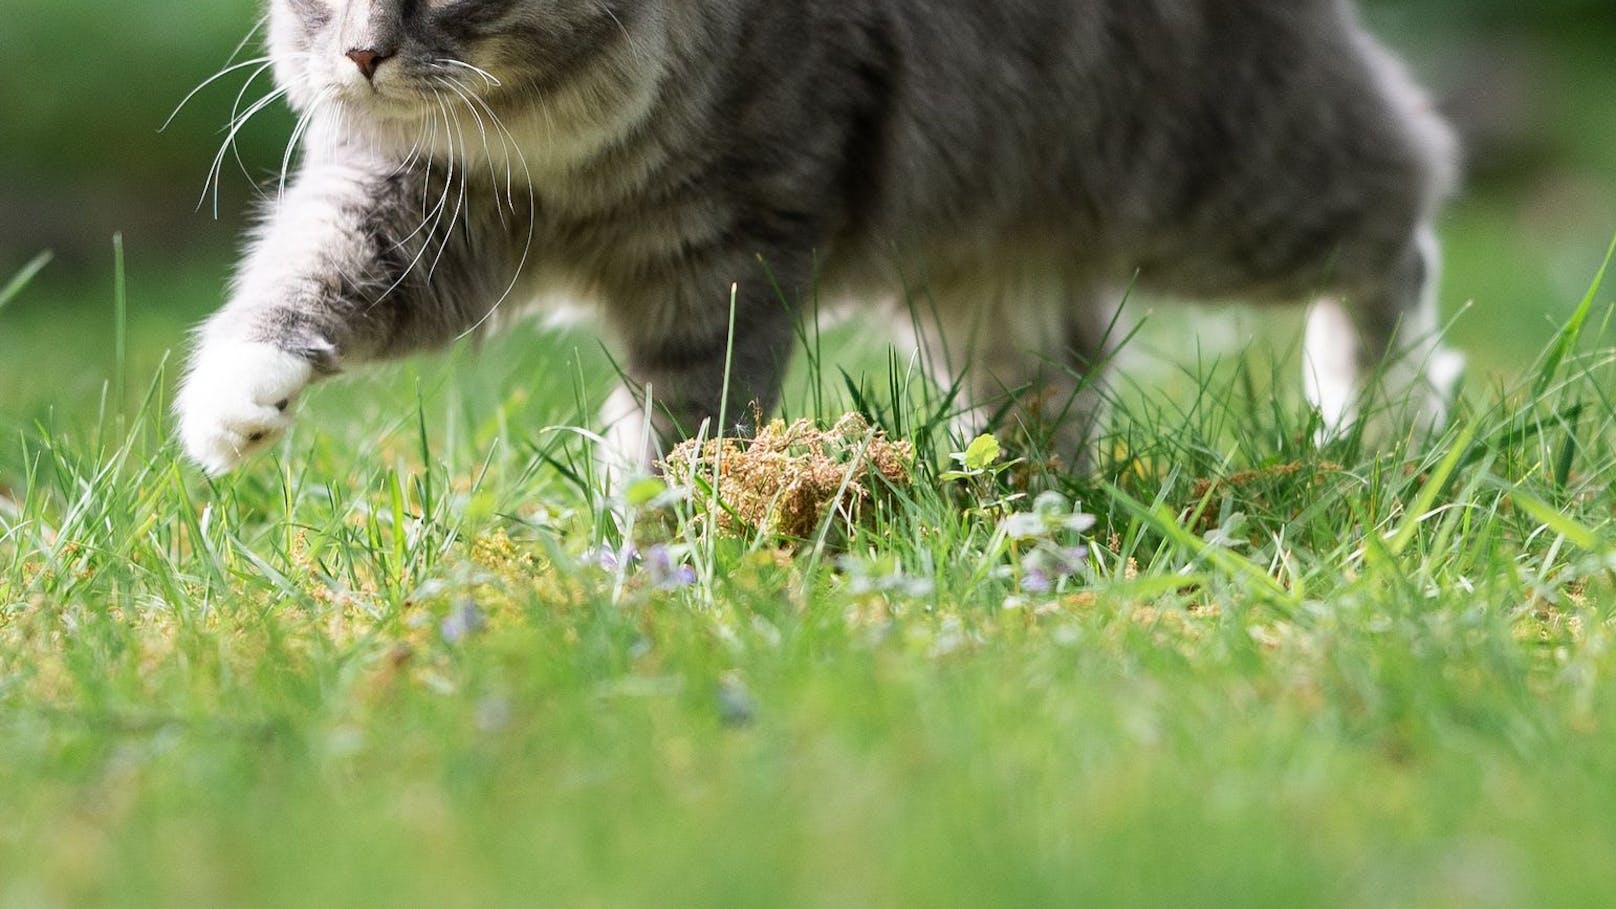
[236,400]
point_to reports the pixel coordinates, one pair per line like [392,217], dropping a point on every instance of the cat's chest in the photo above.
[553,146]
[631,207]
[525,152]
[634,234]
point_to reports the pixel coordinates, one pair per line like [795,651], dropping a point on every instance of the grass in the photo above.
[389,664]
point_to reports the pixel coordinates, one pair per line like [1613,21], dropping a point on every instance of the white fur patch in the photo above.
[629,451]
[1330,367]
[237,400]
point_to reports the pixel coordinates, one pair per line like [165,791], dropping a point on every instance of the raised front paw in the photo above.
[236,400]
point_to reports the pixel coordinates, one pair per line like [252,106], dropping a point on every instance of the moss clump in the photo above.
[789,479]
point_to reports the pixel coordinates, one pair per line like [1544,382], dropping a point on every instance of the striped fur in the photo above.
[1006,166]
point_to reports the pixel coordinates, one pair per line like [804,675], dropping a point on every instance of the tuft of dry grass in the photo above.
[788,479]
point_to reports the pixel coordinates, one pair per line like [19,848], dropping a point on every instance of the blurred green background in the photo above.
[85,86]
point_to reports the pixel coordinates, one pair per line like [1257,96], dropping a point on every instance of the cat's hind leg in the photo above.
[1379,343]
[1028,354]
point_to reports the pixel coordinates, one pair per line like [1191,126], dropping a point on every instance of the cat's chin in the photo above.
[388,108]
[393,127]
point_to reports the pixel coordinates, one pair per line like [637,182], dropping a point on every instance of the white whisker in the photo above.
[508,143]
[532,212]
[235,115]
[431,218]
[303,123]
[209,81]
[247,38]
[230,66]
[415,150]
[215,172]
[633,46]
[490,78]
[454,217]
[488,152]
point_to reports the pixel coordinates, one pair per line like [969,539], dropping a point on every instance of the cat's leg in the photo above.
[1028,355]
[678,340]
[354,263]
[1383,326]
[1331,371]
[1092,336]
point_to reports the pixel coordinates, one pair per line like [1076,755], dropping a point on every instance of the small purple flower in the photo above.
[1048,565]
[1036,581]
[463,621]
[1051,514]
[1024,525]
[1068,560]
[1078,522]
[664,572]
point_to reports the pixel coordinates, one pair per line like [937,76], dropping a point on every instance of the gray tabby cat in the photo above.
[1005,167]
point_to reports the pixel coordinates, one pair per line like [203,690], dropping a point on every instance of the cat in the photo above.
[702,170]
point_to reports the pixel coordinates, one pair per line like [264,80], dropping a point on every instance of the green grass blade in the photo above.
[1398,541]
[23,278]
[120,326]
[1556,520]
[1565,344]
[1230,563]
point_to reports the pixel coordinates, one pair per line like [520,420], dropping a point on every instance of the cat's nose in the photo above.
[368,59]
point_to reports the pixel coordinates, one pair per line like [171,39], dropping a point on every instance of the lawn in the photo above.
[416,657]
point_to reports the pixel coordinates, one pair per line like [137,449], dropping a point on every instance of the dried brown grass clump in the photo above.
[789,479]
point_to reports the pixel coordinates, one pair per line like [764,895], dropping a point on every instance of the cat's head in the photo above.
[401,59]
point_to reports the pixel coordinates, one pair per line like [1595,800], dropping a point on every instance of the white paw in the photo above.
[237,400]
